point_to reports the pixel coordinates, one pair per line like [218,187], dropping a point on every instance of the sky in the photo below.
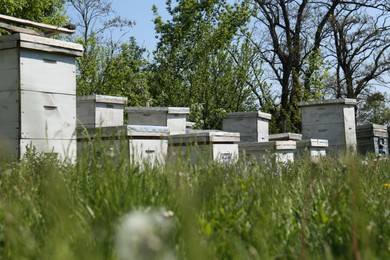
[141,12]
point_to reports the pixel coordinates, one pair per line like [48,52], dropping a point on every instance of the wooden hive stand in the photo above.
[43,29]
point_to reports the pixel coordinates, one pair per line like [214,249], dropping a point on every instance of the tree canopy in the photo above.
[193,63]
[43,11]
[224,56]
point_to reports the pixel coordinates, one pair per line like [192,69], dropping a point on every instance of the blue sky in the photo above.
[141,12]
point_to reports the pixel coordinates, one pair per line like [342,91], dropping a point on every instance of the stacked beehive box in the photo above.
[100,110]
[141,144]
[101,124]
[38,95]
[205,145]
[280,151]
[372,138]
[172,117]
[315,148]
[332,120]
[255,143]
[252,126]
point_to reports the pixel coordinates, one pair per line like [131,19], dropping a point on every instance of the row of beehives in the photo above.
[38,109]
[154,132]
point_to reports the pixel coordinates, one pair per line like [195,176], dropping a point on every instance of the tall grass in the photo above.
[337,208]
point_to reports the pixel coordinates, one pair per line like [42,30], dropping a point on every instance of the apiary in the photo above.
[172,117]
[332,120]
[204,146]
[372,138]
[38,94]
[142,144]
[281,151]
[315,148]
[100,111]
[285,137]
[252,126]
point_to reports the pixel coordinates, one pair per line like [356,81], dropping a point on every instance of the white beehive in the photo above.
[37,94]
[281,151]
[204,146]
[252,126]
[172,117]
[332,120]
[100,111]
[316,148]
[142,144]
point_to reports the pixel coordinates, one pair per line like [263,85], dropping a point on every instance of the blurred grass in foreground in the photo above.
[338,208]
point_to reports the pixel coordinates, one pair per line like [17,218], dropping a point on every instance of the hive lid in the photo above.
[102,99]
[285,137]
[123,131]
[371,130]
[371,126]
[33,42]
[313,143]
[345,101]
[7,23]
[269,146]
[257,114]
[169,110]
[205,136]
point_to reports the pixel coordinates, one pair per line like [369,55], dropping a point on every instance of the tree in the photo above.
[193,63]
[289,33]
[109,66]
[42,11]
[126,74]
[374,109]
[361,44]
[96,17]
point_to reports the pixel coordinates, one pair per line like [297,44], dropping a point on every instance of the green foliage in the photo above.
[374,109]
[109,66]
[194,65]
[336,208]
[43,11]
[318,71]
[114,70]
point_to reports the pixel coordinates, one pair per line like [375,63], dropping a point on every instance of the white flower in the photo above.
[142,235]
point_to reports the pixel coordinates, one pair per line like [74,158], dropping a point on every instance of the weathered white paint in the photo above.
[37,94]
[151,151]
[8,59]
[47,72]
[61,149]
[9,114]
[47,116]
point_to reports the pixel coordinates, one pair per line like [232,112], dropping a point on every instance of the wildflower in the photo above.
[141,235]
[386,185]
